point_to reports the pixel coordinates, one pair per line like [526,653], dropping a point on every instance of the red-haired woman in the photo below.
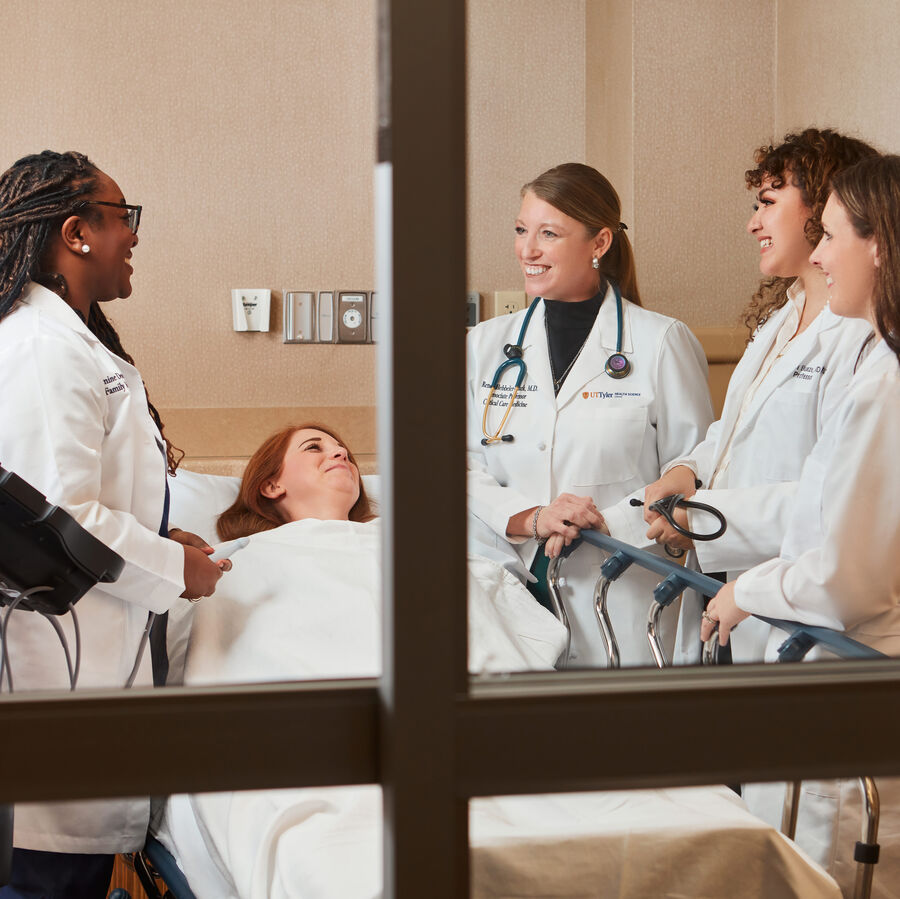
[302,471]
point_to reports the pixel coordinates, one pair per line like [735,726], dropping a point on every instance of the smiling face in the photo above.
[778,223]
[111,241]
[848,262]
[555,252]
[316,480]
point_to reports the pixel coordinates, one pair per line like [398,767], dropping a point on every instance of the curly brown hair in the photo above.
[808,160]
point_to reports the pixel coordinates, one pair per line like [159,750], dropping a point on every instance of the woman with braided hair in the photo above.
[75,422]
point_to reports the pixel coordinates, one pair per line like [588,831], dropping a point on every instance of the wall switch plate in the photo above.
[506,302]
[352,316]
[250,308]
[473,308]
[374,320]
[299,316]
[325,316]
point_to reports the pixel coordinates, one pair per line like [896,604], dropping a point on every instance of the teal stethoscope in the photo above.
[617,366]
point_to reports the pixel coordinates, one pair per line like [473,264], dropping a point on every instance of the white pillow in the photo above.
[197,500]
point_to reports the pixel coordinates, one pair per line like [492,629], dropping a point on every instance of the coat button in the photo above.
[542,446]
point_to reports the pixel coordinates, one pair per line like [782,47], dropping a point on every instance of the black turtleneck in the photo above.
[568,326]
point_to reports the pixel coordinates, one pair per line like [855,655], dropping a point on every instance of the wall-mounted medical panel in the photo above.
[330,316]
[299,316]
[352,308]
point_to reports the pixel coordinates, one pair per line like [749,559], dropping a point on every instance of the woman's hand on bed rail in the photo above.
[200,574]
[558,523]
[722,613]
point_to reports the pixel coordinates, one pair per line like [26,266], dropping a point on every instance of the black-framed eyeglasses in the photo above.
[134,212]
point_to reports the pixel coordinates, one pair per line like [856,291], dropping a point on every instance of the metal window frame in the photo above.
[427,734]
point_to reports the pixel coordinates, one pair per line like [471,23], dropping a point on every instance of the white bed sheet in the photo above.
[696,843]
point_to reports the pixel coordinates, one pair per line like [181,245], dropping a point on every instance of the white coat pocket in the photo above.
[805,529]
[610,442]
[790,422]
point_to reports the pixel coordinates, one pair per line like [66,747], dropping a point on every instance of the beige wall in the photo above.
[703,99]
[247,131]
[674,101]
[852,81]
[526,105]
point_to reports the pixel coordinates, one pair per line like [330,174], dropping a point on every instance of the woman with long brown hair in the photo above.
[839,564]
[612,392]
[795,369]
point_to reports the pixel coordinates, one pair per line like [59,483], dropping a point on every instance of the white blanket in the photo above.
[302,601]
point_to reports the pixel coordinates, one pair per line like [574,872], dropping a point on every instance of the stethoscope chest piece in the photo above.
[617,366]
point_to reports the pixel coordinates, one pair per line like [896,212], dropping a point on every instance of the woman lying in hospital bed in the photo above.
[305,599]
[302,601]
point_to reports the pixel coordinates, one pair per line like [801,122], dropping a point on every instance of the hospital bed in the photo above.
[632,842]
[800,640]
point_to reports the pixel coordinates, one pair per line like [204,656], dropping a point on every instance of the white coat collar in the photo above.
[48,303]
[599,346]
[783,368]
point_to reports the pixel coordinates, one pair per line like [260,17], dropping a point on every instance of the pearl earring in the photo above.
[85,248]
[596,263]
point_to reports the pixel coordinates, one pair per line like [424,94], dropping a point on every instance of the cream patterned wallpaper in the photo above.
[852,81]
[247,132]
[703,99]
[526,102]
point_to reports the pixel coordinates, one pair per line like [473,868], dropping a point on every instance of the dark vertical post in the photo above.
[421,280]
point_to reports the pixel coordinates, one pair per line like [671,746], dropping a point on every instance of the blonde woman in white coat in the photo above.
[839,564]
[793,372]
[75,422]
[581,438]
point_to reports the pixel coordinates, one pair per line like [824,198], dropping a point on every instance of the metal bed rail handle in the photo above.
[866,852]
[607,632]
[554,582]
[664,594]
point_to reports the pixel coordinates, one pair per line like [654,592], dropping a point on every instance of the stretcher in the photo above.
[801,638]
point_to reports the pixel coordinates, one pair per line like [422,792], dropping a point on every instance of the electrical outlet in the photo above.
[508,301]
[473,308]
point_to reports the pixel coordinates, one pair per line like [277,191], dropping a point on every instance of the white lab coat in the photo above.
[599,437]
[839,567]
[768,448]
[74,424]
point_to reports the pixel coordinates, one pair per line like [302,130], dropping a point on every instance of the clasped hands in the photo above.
[200,574]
